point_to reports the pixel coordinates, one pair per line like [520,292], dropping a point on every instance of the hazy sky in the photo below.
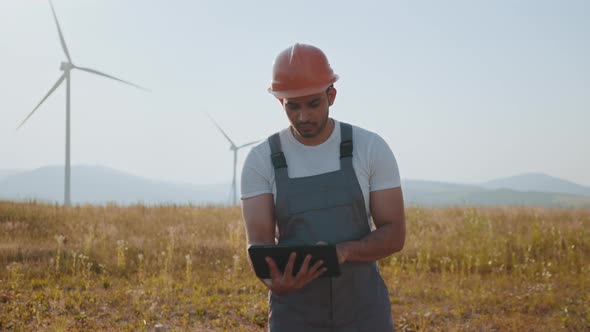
[463,91]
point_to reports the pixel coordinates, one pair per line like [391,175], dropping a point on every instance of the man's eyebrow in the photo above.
[290,103]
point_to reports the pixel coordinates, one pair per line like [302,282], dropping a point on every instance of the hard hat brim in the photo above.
[302,92]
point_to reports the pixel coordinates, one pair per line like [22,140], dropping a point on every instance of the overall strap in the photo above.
[277,158]
[346,146]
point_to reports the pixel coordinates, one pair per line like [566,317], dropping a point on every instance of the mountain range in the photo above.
[101,185]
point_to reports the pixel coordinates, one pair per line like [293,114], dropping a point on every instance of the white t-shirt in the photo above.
[373,161]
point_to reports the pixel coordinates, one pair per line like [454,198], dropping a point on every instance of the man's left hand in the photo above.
[342,251]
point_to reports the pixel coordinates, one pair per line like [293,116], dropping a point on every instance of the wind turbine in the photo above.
[67,67]
[233,147]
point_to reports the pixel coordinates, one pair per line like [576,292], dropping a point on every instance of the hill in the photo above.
[101,185]
[538,182]
[5,173]
[429,193]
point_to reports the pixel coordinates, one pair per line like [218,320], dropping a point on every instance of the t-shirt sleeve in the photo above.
[256,174]
[383,170]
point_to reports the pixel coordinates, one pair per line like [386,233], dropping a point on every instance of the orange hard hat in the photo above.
[301,70]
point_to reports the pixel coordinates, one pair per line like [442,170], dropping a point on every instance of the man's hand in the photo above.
[285,283]
[342,251]
[387,211]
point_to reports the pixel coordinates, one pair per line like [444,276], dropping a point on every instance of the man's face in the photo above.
[309,114]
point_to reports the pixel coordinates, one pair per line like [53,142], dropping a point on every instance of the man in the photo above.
[323,181]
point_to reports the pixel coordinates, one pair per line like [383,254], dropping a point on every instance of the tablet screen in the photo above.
[280,254]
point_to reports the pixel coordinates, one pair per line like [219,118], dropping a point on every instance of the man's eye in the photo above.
[292,107]
[315,105]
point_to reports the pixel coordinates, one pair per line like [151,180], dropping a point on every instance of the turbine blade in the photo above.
[61,36]
[247,144]
[92,71]
[223,132]
[55,86]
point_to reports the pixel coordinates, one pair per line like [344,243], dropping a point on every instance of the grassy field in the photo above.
[168,268]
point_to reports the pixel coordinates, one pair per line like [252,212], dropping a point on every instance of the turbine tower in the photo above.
[67,67]
[233,147]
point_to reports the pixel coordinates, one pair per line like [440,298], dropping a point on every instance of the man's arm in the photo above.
[258,212]
[387,210]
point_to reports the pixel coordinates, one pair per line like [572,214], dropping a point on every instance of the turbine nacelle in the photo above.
[66,66]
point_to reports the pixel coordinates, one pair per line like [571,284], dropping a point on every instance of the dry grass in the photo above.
[184,268]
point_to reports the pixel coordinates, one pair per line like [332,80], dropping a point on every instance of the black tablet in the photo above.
[280,254]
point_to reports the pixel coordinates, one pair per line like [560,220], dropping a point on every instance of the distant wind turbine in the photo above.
[67,67]
[233,147]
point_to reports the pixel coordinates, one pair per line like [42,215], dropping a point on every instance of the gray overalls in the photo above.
[327,207]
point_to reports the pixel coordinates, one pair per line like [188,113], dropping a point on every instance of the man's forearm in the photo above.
[382,242]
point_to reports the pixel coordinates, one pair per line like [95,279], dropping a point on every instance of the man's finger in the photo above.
[316,266]
[319,273]
[313,271]
[289,268]
[304,266]
[274,270]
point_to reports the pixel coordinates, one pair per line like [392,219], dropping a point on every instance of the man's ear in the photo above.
[280,101]
[331,95]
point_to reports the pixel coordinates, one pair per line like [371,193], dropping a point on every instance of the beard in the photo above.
[312,129]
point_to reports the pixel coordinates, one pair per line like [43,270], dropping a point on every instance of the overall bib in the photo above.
[327,207]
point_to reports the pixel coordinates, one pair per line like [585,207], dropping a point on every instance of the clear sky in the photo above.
[463,91]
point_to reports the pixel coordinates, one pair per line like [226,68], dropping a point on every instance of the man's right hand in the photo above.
[283,283]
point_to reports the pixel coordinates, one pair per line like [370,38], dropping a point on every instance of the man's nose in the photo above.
[303,115]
